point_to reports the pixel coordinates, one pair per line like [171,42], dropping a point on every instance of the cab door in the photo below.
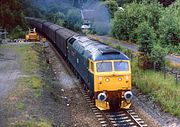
[91,75]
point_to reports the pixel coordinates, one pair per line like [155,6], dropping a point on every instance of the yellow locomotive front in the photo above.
[112,84]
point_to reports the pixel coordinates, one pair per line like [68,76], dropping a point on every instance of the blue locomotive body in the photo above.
[104,70]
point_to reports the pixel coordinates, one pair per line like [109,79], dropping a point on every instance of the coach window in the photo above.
[71,41]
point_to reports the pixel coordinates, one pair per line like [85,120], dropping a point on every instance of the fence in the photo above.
[166,71]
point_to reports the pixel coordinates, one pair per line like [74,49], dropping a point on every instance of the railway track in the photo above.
[122,118]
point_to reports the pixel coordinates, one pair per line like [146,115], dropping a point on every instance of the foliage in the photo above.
[17,32]
[148,23]
[74,19]
[158,54]
[163,91]
[125,22]
[112,5]
[11,14]
[146,38]
[29,59]
[58,12]
[163,2]
[34,123]
[57,18]
[169,26]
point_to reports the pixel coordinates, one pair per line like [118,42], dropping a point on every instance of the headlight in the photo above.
[107,79]
[102,96]
[119,79]
[128,95]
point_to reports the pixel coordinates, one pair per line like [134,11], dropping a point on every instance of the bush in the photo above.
[125,22]
[74,19]
[112,5]
[169,27]
[158,54]
[163,91]
[17,32]
[146,38]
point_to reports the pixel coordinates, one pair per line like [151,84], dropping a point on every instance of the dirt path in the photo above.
[9,72]
[34,93]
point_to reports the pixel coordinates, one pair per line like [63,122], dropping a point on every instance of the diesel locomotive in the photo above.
[105,71]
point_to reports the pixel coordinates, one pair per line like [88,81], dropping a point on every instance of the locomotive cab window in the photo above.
[121,66]
[104,67]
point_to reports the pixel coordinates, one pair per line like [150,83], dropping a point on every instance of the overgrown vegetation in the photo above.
[30,86]
[12,17]
[151,25]
[62,12]
[163,91]
[35,123]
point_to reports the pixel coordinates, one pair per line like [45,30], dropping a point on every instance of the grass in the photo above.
[33,81]
[29,59]
[21,106]
[33,123]
[36,77]
[164,91]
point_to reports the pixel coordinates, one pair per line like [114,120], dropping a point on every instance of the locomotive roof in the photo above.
[98,51]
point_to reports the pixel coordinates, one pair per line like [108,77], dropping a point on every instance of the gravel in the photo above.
[81,114]
[151,112]
[58,102]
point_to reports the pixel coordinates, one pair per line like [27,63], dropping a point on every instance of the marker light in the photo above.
[100,78]
[127,77]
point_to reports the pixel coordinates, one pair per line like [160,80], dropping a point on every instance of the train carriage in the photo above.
[52,32]
[62,35]
[36,23]
[46,29]
[106,72]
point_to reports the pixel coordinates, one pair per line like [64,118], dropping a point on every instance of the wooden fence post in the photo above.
[164,72]
[176,78]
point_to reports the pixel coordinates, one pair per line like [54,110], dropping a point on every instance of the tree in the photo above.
[11,14]
[74,19]
[112,5]
[169,25]
[146,38]
[76,3]
[125,22]
[158,54]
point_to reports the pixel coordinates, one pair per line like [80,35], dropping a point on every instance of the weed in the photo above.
[33,81]
[41,123]
[21,106]
[29,59]
[37,94]
[164,91]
